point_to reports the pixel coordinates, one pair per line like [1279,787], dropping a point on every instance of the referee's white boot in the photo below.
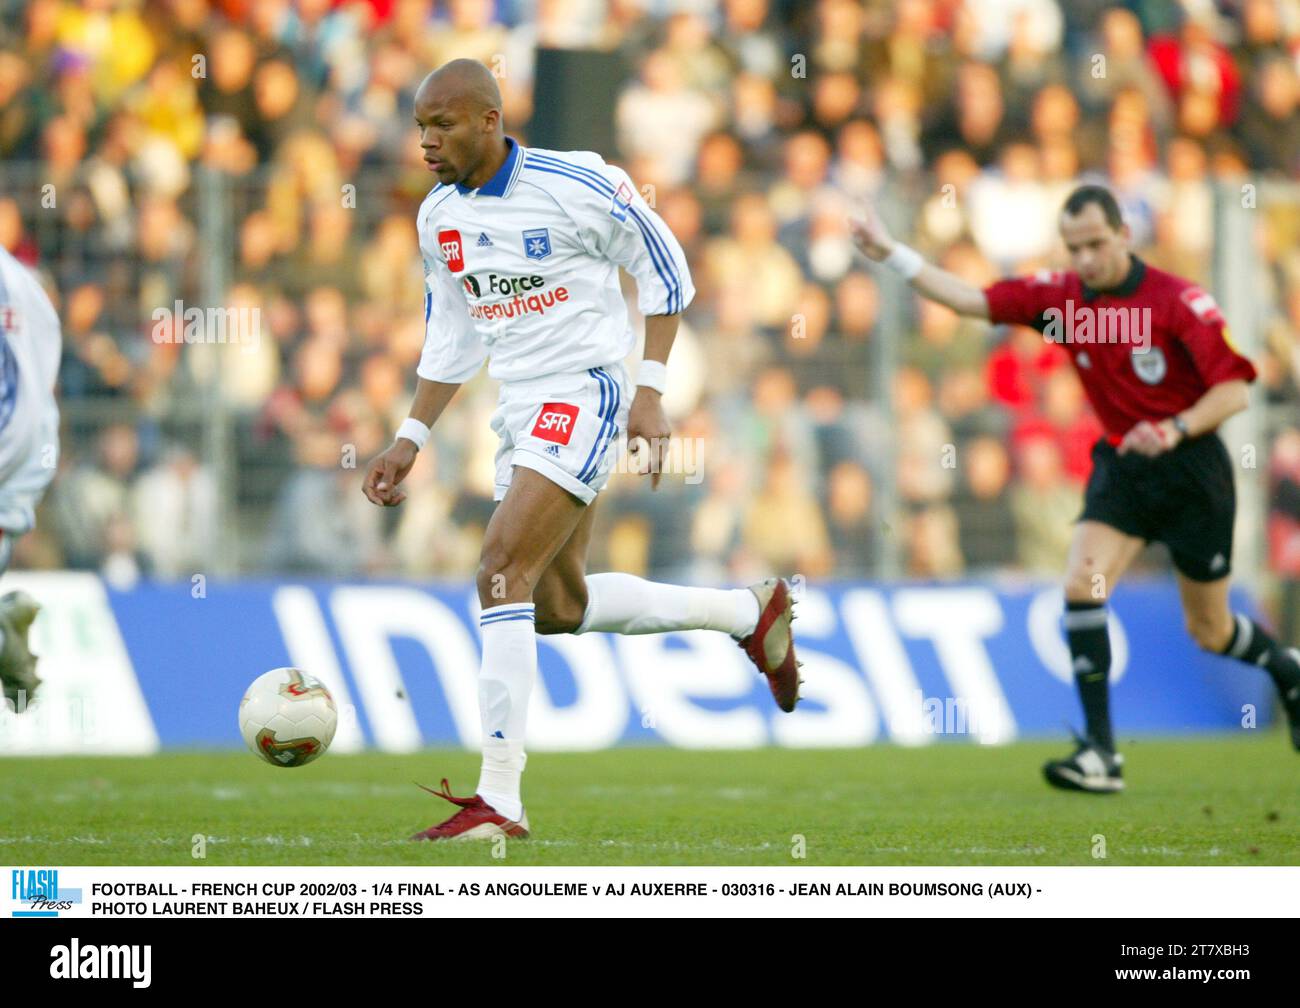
[1091,768]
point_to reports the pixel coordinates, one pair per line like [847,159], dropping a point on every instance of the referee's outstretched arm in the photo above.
[875,242]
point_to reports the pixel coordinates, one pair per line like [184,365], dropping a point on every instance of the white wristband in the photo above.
[413,430]
[653,374]
[904,261]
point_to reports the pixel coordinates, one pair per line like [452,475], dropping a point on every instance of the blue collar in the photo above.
[498,183]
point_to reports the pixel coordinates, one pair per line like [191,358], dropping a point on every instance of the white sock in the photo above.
[626,604]
[505,679]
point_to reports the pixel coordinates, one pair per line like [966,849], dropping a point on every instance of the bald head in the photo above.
[458,111]
[464,81]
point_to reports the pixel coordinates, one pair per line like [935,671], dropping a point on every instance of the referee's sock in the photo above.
[1251,643]
[1089,639]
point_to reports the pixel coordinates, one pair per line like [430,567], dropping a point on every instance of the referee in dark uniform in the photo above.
[1156,361]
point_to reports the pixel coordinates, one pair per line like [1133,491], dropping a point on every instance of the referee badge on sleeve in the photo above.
[1150,365]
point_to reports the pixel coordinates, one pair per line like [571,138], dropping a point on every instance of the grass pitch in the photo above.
[1205,802]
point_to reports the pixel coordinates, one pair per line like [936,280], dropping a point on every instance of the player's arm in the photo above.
[617,223]
[875,242]
[1203,332]
[1219,402]
[390,466]
[451,356]
[647,419]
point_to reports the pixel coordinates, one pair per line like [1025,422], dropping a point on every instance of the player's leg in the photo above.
[758,618]
[1099,556]
[561,592]
[1199,536]
[534,519]
[1216,628]
[21,489]
[528,528]
[29,448]
[569,600]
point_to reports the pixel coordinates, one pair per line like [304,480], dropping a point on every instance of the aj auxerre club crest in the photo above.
[537,243]
[1150,365]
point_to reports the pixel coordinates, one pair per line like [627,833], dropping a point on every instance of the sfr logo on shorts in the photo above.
[556,422]
[449,246]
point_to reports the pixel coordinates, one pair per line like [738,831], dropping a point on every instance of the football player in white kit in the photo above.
[521,255]
[30,347]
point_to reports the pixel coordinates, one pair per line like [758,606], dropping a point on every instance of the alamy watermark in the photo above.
[677,457]
[178,323]
[955,715]
[1084,324]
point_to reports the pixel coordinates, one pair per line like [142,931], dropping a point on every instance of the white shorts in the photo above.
[31,455]
[565,427]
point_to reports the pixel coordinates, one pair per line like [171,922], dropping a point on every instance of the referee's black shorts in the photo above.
[1184,498]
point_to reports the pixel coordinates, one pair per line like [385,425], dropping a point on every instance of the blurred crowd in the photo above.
[755,126]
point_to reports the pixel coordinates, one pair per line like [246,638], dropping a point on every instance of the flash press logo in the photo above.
[75,961]
[39,889]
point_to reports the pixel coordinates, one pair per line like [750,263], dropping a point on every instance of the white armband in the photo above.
[653,374]
[904,260]
[414,431]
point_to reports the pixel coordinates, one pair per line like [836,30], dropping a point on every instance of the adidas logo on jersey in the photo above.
[483,240]
[553,450]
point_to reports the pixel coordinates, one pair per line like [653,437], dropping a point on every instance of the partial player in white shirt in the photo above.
[30,347]
[521,253]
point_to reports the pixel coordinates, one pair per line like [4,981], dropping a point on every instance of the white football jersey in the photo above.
[30,347]
[524,270]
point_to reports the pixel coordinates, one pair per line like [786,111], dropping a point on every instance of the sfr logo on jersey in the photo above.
[556,422]
[449,245]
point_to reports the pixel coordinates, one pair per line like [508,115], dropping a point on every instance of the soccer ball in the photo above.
[288,717]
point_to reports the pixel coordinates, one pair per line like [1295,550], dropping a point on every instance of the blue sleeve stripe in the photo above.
[656,254]
[428,306]
[675,292]
[663,261]
[654,241]
[648,231]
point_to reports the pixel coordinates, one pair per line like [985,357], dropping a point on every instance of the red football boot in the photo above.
[771,646]
[476,820]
